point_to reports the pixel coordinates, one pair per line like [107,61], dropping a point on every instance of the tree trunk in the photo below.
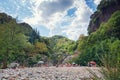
[4,63]
[5,59]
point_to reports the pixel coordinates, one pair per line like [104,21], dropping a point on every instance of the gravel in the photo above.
[49,73]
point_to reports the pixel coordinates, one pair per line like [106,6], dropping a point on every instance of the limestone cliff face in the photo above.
[104,11]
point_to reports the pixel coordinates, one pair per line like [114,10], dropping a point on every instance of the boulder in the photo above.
[13,65]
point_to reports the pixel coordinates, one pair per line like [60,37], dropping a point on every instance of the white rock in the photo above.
[6,76]
[1,76]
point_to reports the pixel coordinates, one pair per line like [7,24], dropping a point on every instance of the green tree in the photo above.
[99,43]
[12,42]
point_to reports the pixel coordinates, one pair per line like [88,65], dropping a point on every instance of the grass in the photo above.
[110,69]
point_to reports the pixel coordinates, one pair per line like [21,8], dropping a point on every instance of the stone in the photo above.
[49,73]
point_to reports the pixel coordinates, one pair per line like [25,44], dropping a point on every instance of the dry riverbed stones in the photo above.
[48,73]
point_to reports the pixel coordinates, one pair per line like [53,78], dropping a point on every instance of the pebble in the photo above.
[47,73]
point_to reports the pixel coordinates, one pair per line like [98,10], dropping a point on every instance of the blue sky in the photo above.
[69,18]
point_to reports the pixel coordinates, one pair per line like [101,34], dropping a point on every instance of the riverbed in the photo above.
[49,73]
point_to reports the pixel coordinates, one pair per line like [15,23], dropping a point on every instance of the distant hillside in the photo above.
[4,18]
[26,28]
[23,27]
[59,44]
[62,44]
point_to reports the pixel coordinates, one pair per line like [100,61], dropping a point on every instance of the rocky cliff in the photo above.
[104,11]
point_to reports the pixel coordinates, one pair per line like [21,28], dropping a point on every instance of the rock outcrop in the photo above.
[4,18]
[104,11]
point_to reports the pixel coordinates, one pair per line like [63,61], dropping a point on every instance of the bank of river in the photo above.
[49,73]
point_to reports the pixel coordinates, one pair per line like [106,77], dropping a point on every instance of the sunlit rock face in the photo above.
[104,11]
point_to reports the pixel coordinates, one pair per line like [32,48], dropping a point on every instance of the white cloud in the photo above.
[54,6]
[97,2]
[52,13]
[51,17]
[80,22]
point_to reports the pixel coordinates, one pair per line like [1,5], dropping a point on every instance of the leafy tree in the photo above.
[100,42]
[12,42]
[34,36]
[41,47]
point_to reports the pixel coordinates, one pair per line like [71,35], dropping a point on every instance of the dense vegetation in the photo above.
[103,44]
[16,42]
[106,40]
[62,47]
[22,44]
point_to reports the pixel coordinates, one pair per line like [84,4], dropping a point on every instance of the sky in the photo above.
[69,18]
